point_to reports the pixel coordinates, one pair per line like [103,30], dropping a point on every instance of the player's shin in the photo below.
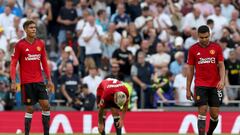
[45,121]
[104,118]
[212,125]
[118,129]
[201,124]
[27,123]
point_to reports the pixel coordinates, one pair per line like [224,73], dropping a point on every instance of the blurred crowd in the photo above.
[144,43]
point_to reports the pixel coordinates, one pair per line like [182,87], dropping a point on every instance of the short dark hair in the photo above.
[203,29]
[210,21]
[27,23]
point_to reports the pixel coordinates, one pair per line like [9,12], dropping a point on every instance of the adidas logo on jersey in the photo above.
[27,50]
[198,53]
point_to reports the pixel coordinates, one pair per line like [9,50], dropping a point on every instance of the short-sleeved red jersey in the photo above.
[205,60]
[30,58]
[106,90]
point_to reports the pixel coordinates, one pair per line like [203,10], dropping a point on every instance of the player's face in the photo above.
[31,30]
[204,38]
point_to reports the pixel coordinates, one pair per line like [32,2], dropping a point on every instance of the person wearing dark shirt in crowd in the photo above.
[123,57]
[232,74]
[85,100]
[68,19]
[70,84]
[115,72]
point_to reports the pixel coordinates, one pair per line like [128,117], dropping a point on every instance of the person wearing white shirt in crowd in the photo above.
[6,18]
[92,80]
[227,8]
[162,20]
[140,21]
[180,88]
[79,27]
[92,34]
[193,19]
[192,39]
[3,40]
[14,32]
[219,21]
[205,7]
[161,58]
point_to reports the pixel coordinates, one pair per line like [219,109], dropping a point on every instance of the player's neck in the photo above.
[30,39]
[204,46]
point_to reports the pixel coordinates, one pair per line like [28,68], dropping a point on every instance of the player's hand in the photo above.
[50,86]
[13,86]
[220,85]
[119,123]
[100,127]
[189,95]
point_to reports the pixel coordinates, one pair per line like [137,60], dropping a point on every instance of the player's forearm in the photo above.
[222,71]
[190,77]
[13,70]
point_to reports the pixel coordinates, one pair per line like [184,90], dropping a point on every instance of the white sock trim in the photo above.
[116,117]
[201,117]
[214,119]
[28,115]
[46,113]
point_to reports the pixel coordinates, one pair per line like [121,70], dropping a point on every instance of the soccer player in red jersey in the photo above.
[112,93]
[31,55]
[207,59]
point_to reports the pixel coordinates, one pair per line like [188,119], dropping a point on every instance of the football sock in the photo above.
[201,124]
[45,121]
[27,123]
[212,125]
[118,130]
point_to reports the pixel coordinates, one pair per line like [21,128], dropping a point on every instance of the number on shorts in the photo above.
[219,92]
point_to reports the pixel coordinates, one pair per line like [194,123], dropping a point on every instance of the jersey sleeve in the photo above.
[190,59]
[45,63]
[14,59]
[100,90]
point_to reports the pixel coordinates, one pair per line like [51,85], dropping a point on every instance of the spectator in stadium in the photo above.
[114,73]
[83,6]
[98,5]
[176,65]
[133,8]
[132,47]
[180,88]
[192,39]
[14,32]
[223,42]
[121,19]
[144,47]
[85,100]
[205,7]
[235,18]
[92,35]
[3,40]
[6,19]
[112,93]
[133,32]
[92,79]
[175,14]
[70,84]
[219,22]
[15,9]
[102,19]
[232,74]
[161,58]
[67,19]
[206,57]
[46,13]
[142,72]
[140,21]
[227,8]
[227,33]
[187,7]
[123,57]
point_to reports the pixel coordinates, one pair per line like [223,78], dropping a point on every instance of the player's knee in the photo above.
[46,108]
[30,110]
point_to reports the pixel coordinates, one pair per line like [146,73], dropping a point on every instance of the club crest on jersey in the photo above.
[39,48]
[212,52]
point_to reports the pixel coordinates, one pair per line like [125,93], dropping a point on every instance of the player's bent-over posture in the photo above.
[112,94]
[207,59]
[31,55]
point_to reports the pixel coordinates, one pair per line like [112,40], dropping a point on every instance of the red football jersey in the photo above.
[30,57]
[106,90]
[205,60]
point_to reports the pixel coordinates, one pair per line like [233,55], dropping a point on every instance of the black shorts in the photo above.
[32,92]
[208,96]
[107,105]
